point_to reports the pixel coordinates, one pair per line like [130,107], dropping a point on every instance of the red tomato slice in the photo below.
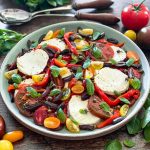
[107,53]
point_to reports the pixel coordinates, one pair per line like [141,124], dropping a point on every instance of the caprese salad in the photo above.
[80,80]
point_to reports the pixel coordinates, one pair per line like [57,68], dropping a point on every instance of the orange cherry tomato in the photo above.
[10,88]
[51,122]
[59,63]
[134,55]
[55,34]
[72,82]
[13,136]
[77,89]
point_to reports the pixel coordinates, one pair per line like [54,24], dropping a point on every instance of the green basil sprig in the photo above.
[124,100]
[87,63]
[105,107]
[79,73]
[32,92]
[96,52]
[136,83]
[55,71]
[89,87]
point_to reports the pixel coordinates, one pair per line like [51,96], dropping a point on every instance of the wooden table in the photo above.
[33,141]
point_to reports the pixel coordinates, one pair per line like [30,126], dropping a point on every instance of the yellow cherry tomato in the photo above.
[51,122]
[6,145]
[97,65]
[13,136]
[80,44]
[8,74]
[48,36]
[37,78]
[71,126]
[130,34]
[124,110]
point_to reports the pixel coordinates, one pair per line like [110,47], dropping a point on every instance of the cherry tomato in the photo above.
[72,82]
[2,126]
[13,136]
[134,55]
[107,53]
[135,16]
[124,110]
[77,89]
[51,122]
[130,34]
[6,145]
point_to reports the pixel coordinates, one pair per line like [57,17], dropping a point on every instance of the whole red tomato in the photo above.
[135,16]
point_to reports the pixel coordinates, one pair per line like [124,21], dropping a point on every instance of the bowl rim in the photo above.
[88,134]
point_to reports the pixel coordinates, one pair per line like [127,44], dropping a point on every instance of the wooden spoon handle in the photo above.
[100,4]
[104,18]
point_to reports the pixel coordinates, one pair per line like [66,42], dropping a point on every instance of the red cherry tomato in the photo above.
[135,16]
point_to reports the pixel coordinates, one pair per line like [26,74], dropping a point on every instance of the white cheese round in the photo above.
[55,42]
[119,54]
[32,62]
[110,80]
[74,107]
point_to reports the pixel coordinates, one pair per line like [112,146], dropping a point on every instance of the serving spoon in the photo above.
[17,16]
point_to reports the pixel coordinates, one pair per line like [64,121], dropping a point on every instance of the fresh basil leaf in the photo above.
[147,104]
[86,48]
[59,2]
[136,83]
[87,63]
[44,46]
[89,87]
[113,145]
[96,35]
[61,33]
[124,100]
[146,119]
[130,62]
[113,62]
[147,133]
[61,115]
[83,111]
[129,143]
[55,71]
[134,126]
[52,2]
[74,121]
[105,107]
[96,52]
[34,44]
[54,92]
[74,59]
[33,93]
[79,73]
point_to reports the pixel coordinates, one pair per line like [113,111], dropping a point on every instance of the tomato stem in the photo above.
[138,7]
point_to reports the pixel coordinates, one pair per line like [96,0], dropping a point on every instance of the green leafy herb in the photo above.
[54,92]
[124,100]
[15,85]
[147,133]
[74,59]
[134,126]
[105,107]
[8,40]
[113,145]
[113,62]
[96,35]
[61,33]
[96,52]
[79,73]
[130,62]
[16,78]
[83,111]
[33,93]
[34,44]
[61,115]
[136,83]
[129,143]
[147,104]
[89,87]
[86,48]
[87,63]
[33,5]
[55,71]
[44,46]
[117,93]
[146,119]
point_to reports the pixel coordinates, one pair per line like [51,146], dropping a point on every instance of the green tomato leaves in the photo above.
[146,118]
[128,143]
[113,145]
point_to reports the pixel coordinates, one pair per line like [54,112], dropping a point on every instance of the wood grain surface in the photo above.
[34,141]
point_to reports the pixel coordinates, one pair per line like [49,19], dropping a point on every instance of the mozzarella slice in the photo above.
[32,62]
[110,80]
[55,42]
[119,54]
[74,106]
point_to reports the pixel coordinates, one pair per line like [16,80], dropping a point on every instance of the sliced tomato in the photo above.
[107,53]
[20,99]
[136,73]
